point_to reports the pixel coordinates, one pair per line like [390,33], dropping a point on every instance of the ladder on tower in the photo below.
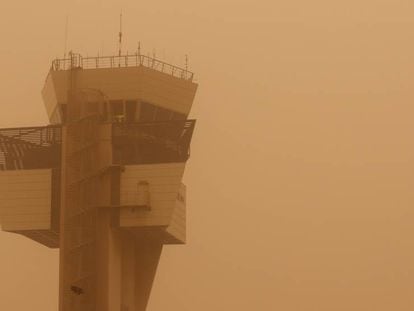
[81,215]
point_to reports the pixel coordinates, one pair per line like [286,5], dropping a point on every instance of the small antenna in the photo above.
[66,36]
[120,35]
[186,62]
[139,48]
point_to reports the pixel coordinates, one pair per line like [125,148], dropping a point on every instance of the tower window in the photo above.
[178,116]
[63,112]
[117,110]
[130,110]
[147,112]
[163,114]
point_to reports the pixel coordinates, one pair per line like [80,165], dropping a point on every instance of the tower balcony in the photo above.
[30,160]
[151,153]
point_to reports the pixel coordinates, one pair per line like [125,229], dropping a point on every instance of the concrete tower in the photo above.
[103,181]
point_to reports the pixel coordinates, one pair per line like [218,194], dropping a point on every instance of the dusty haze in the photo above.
[301,175]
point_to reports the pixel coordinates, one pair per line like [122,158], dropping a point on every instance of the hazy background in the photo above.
[301,177]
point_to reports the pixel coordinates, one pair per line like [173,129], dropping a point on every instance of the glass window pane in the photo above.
[147,112]
[117,110]
[179,116]
[163,114]
[130,110]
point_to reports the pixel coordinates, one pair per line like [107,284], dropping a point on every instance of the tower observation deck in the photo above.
[102,182]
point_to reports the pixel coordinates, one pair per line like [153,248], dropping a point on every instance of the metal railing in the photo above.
[152,142]
[135,60]
[30,147]
[41,136]
[133,143]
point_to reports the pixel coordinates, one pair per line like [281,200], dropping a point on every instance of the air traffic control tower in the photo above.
[102,182]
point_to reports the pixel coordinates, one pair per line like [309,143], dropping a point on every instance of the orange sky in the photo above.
[301,176]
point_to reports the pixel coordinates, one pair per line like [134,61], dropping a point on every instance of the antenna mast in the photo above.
[66,36]
[120,35]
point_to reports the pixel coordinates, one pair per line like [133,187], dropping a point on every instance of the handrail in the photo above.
[36,136]
[30,147]
[152,142]
[123,61]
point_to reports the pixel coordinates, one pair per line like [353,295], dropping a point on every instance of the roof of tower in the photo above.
[122,61]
